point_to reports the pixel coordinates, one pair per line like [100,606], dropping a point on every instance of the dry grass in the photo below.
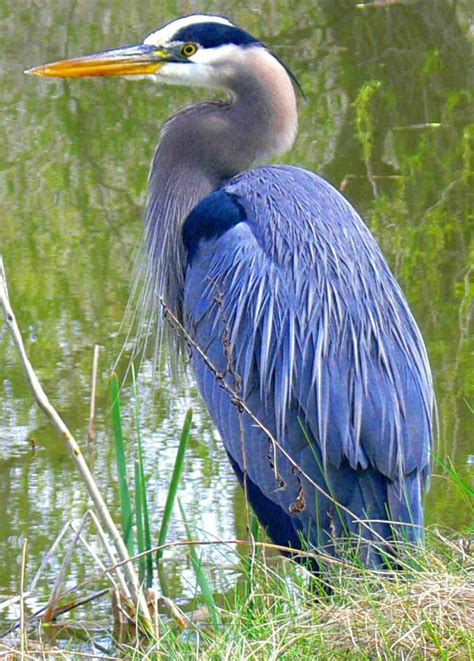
[424,611]
[422,617]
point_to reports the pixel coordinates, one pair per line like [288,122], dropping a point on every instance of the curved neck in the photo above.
[264,108]
[206,144]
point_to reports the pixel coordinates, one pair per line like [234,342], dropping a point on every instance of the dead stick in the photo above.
[61,576]
[95,366]
[60,610]
[23,635]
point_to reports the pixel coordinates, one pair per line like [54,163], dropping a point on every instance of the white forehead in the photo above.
[166,33]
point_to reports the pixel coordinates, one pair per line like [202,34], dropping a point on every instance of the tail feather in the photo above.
[364,519]
[406,507]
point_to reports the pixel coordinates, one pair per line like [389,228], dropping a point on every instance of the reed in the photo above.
[144,537]
[123,480]
[174,482]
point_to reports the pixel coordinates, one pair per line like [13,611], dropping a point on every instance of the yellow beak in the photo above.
[127,61]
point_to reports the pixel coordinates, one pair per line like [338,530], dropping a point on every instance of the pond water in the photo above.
[386,119]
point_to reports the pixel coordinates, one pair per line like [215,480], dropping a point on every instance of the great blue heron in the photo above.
[304,348]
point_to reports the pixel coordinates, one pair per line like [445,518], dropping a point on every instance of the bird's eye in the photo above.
[189,49]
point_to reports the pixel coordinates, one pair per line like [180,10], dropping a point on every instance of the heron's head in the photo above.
[200,50]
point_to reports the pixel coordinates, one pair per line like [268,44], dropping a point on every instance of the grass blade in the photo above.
[457,479]
[175,477]
[140,483]
[200,575]
[249,560]
[124,492]
[139,520]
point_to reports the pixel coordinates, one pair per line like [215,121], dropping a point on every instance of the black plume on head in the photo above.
[212,35]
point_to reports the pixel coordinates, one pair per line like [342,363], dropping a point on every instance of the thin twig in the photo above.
[9,652]
[238,401]
[13,600]
[48,557]
[133,589]
[23,634]
[417,127]
[94,555]
[95,366]
[297,553]
[105,542]
[80,602]
[378,4]
[61,576]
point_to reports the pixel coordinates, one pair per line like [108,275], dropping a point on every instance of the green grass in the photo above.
[144,537]
[425,611]
[135,521]
[200,574]
[174,482]
[123,480]
[277,610]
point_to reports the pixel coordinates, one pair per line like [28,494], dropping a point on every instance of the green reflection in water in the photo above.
[387,118]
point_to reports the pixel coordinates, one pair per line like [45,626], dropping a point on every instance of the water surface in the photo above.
[387,119]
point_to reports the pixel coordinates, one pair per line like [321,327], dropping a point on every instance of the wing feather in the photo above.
[301,304]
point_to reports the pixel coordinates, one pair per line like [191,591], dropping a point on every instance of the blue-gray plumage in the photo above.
[327,354]
[303,346]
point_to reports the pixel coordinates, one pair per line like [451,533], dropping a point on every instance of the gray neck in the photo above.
[204,145]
